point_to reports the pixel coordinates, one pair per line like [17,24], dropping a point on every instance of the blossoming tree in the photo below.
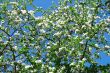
[65,39]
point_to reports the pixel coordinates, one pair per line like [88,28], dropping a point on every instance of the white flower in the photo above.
[80,61]
[77,30]
[108,54]
[87,38]
[42,31]
[50,16]
[92,8]
[37,47]
[39,24]
[108,20]
[82,42]
[90,48]
[56,11]
[84,59]
[2,21]
[88,23]
[97,17]
[89,15]
[18,19]
[83,26]
[96,45]
[57,34]
[14,12]
[6,42]
[60,49]
[15,3]
[54,44]
[31,44]
[66,7]
[106,46]
[28,66]
[15,47]
[75,5]
[48,47]
[19,61]
[73,49]
[72,64]
[38,61]
[23,11]
[17,33]
[62,68]
[84,34]
[31,12]
[39,18]
[59,7]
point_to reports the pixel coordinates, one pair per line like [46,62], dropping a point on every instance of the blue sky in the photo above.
[45,4]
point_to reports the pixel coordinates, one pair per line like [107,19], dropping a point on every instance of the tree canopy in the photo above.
[67,38]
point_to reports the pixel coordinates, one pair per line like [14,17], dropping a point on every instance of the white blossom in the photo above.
[15,3]
[23,11]
[38,61]
[18,19]
[57,34]
[39,24]
[28,66]
[6,42]
[96,45]
[56,11]
[15,47]
[19,61]
[84,59]
[92,8]
[59,7]
[42,31]
[90,48]
[80,61]
[37,47]
[60,49]
[83,26]
[106,46]
[31,12]
[2,21]
[60,22]
[16,33]
[108,54]
[108,20]
[48,47]
[97,17]
[66,7]
[54,44]
[58,25]
[14,12]
[87,38]
[39,18]
[75,5]
[82,42]
[89,15]
[72,64]
[73,49]
[0,26]
[76,30]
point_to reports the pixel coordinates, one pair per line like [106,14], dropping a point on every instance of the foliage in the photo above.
[62,40]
